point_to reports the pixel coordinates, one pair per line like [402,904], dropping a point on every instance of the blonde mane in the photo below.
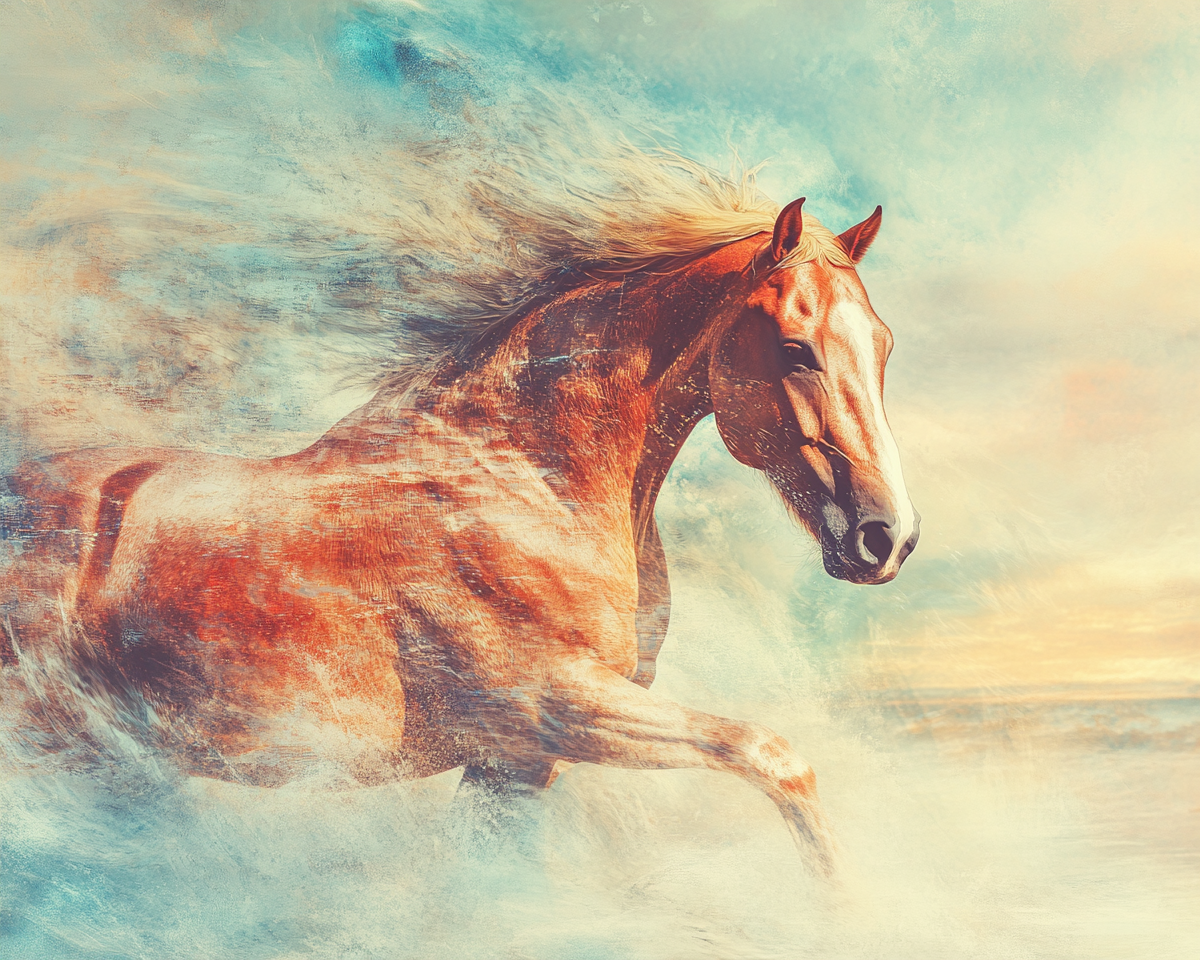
[817,242]
[644,211]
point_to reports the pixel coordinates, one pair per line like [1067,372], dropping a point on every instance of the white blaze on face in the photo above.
[878,443]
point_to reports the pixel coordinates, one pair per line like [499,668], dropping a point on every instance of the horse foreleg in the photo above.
[593,714]
[654,604]
[501,778]
[491,800]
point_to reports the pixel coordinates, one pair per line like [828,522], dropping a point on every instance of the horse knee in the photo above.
[802,782]
[773,760]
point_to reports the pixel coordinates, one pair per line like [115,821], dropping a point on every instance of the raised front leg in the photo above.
[593,714]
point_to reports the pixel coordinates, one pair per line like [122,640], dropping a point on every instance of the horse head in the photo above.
[796,375]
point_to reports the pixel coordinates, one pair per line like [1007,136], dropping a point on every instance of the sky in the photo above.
[215,217]
[204,203]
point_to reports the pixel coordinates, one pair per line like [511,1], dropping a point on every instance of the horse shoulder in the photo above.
[532,576]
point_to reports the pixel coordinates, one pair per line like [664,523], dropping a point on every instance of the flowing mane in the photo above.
[647,212]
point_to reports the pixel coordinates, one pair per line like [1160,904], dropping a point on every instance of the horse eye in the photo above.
[800,355]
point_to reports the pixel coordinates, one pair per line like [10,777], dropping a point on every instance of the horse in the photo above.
[466,571]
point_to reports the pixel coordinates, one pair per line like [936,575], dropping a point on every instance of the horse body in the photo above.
[467,571]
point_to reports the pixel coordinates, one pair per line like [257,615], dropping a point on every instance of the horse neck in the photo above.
[601,385]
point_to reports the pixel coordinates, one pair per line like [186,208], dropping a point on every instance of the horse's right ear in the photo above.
[788,227]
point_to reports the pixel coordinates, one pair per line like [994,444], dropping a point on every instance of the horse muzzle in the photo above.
[871,552]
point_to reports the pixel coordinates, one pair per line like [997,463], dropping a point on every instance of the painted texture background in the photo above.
[216,221]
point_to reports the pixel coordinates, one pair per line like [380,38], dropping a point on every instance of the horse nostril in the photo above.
[876,543]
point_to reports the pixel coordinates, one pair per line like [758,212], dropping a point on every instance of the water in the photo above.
[968,828]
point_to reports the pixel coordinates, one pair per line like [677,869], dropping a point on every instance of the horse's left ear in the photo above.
[856,240]
[788,228]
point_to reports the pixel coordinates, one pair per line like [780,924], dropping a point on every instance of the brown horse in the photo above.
[466,571]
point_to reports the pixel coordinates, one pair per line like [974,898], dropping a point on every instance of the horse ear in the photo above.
[856,240]
[788,228]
